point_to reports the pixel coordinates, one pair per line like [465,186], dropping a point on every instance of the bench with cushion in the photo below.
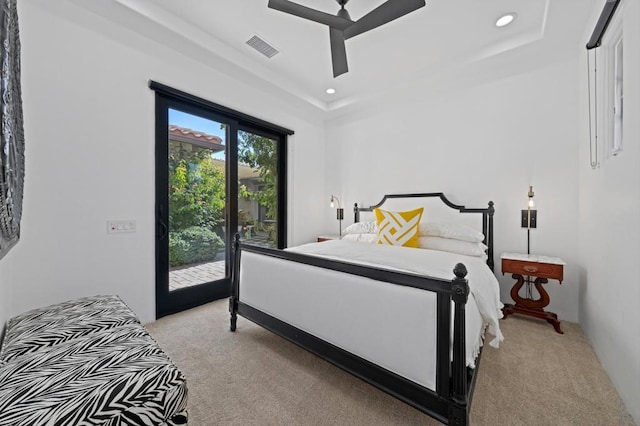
[87,362]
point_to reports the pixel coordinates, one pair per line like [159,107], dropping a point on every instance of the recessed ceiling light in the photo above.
[331,90]
[506,19]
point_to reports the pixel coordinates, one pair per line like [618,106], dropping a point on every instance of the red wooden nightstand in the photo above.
[542,268]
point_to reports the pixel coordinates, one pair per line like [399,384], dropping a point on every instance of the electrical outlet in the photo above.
[534,218]
[120,226]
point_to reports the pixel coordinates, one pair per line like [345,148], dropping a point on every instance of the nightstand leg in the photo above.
[531,307]
[555,323]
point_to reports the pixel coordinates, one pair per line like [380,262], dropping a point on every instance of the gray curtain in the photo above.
[11,128]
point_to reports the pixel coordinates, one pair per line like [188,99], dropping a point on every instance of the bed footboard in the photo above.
[451,399]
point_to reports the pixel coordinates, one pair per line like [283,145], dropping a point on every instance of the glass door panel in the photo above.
[207,162]
[257,189]
[197,200]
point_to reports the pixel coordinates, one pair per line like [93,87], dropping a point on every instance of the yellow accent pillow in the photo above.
[398,228]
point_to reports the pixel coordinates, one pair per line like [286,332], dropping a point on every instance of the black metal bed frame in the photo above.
[451,401]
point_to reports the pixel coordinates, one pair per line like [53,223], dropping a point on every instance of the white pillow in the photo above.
[450,230]
[362,228]
[453,246]
[362,238]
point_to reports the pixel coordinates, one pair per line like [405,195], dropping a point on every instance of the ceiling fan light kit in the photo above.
[342,27]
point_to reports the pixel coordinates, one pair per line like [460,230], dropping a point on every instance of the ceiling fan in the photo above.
[342,27]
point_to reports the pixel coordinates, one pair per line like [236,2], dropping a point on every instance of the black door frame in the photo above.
[166,98]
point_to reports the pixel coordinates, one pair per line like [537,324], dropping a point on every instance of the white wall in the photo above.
[484,139]
[609,229]
[5,289]
[89,125]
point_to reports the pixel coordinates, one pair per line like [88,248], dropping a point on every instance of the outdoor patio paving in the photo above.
[196,274]
[191,275]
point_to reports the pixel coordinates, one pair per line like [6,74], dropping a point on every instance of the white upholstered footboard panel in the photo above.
[390,325]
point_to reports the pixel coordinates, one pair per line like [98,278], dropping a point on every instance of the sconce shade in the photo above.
[334,199]
[530,195]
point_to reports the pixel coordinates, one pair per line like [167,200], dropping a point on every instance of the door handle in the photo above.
[161,230]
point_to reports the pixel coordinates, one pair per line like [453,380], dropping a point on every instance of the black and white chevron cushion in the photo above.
[52,325]
[87,362]
[111,377]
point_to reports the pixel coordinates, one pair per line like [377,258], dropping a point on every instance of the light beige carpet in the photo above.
[253,377]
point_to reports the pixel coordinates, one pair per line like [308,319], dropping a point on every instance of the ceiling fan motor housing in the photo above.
[344,14]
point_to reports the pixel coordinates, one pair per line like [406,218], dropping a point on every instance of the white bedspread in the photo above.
[437,264]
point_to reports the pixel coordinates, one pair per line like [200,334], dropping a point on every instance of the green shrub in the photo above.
[177,250]
[193,245]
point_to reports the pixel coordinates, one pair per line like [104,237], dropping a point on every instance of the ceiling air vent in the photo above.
[262,46]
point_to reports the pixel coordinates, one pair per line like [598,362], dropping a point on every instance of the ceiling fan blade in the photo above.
[310,14]
[386,12]
[338,52]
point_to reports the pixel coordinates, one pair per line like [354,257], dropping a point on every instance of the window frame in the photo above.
[612,67]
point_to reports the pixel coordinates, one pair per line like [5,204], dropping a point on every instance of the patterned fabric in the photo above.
[113,376]
[45,327]
[398,228]
[178,419]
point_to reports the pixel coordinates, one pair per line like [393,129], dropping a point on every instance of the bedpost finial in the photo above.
[460,271]
[459,285]
[491,208]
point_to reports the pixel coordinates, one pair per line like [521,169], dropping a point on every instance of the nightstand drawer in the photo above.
[535,269]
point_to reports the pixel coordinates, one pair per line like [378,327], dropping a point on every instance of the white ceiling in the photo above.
[445,33]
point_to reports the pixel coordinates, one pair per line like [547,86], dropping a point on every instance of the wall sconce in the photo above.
[529,218]
[339,214]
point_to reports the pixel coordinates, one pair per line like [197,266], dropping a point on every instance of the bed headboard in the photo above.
[438,209]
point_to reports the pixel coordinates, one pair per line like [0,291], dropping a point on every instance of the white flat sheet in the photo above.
[390,325]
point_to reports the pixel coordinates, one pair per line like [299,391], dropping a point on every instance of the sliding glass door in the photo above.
[258,199]
[215,177]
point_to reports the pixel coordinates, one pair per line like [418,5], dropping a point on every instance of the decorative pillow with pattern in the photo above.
[398,228]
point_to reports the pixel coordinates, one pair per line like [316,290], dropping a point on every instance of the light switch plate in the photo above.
[120,226]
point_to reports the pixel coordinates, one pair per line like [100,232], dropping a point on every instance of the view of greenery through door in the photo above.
[257,189]
[198,191]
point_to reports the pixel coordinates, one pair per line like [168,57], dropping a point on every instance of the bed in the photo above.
[408,321]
